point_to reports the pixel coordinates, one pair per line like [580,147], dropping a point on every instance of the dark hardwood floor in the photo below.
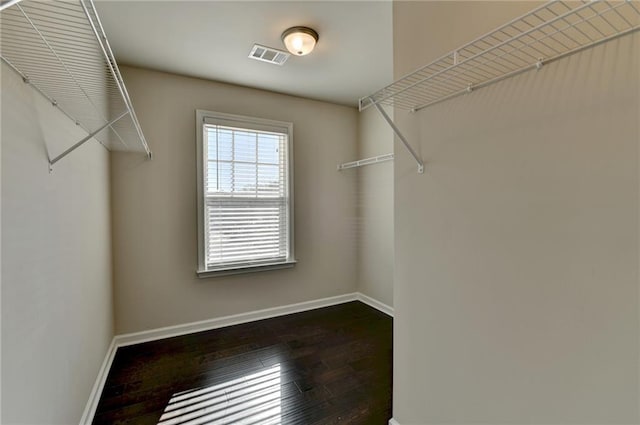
[325,366]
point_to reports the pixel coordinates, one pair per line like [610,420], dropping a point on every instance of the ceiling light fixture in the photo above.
[300,41]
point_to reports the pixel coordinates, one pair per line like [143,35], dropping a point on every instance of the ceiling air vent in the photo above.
[267,54]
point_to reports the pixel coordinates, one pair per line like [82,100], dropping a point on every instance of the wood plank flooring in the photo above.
[327,366]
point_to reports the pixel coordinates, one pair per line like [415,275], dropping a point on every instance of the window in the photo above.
[245,202]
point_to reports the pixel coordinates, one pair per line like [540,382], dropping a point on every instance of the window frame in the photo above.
[250,123]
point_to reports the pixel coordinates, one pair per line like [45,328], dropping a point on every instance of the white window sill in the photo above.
[246,268]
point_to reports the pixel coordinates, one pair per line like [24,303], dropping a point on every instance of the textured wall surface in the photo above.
[375,209]
[516,275]
[154,206]
[57,312]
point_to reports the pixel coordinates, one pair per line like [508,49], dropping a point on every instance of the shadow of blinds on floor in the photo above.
[251,399]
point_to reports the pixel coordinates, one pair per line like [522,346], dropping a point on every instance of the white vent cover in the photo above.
[268,54]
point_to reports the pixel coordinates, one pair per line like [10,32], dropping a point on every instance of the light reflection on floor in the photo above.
[252,399]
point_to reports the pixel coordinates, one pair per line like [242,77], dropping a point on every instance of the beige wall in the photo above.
[57,316]
[375,209]
[154,206]
[516,275]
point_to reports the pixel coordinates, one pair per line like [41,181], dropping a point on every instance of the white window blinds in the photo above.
[246,194]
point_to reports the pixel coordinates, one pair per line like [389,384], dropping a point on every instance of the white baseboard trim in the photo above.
[205,325]
[393,422]
[375,303]
[236,319]
[96,391]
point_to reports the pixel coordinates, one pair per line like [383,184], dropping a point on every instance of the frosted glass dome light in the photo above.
[300,41]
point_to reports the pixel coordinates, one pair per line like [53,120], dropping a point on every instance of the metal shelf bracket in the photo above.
[398,133]
[85,139]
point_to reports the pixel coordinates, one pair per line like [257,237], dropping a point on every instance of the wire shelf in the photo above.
[552,31]
[60,49]
[367,161]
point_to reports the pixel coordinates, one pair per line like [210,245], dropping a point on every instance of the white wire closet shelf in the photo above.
[552,31]
[61,50]
[366,161]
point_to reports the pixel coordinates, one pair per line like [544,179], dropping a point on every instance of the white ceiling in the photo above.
[212,39]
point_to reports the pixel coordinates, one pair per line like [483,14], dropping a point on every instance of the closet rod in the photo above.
[366,161]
